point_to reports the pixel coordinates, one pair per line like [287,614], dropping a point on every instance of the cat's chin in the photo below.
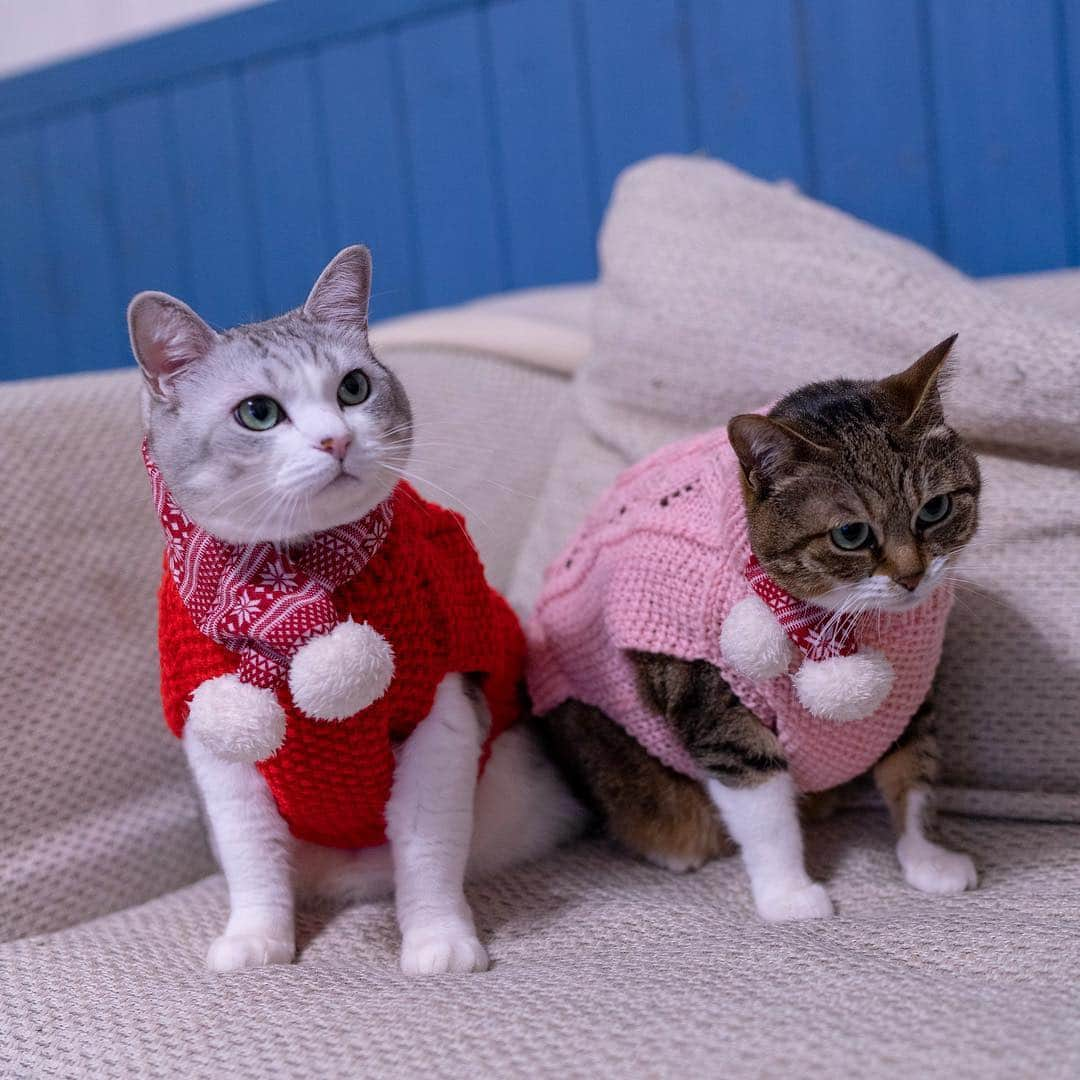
[343,499]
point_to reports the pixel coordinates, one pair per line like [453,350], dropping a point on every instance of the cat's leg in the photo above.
[748,781]
[649,809]
[429,822]
[905,777]
[253,846]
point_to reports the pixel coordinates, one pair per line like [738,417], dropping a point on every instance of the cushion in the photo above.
[719,293]
[603,967]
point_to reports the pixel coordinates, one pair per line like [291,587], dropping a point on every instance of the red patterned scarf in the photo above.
[817,632]
[257,599]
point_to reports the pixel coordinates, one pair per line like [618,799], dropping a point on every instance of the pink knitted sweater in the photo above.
[656,567]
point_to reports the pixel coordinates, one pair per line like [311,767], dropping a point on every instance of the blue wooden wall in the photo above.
[473,143]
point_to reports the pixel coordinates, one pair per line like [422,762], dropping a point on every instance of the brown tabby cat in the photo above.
[879,457]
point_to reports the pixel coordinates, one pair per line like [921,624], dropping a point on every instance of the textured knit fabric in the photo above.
[424,590]
[256,599]
[656,568]
[605,968]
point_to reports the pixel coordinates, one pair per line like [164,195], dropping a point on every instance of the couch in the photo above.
[602,966]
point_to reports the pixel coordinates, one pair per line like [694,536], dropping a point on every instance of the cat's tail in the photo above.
[523,811]
[523,807]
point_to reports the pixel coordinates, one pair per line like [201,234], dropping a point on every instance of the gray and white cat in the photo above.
[251,429]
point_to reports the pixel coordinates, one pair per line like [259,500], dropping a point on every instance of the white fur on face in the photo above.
[250,486]
[880,593]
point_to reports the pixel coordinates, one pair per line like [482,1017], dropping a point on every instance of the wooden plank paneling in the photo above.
[542,139]
[148,236]
[88,300]
[369,172]
[284,151]
[30,342]
[639,83]
[457,213]
[872,150]
[473,144]
[203,47]
[999,134]
[215,200]
[746,70]
[1068,29]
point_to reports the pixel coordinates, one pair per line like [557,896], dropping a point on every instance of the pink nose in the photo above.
[338,447]
[911,582]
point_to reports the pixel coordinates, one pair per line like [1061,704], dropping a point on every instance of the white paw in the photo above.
[233,952]
[939,871]
[235,720]
[844,687]
[442,951]
[754,643]
[677,864]
[335,676]
[808,901]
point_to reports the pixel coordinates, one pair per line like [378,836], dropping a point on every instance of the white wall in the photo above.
[36,32]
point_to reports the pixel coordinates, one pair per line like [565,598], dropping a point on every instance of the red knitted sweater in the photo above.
[424,590]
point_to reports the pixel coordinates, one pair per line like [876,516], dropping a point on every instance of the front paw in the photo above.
[801,901]
[236,721]
[234,952]
[934,869]
[676,863]
[336,675]
[441,951]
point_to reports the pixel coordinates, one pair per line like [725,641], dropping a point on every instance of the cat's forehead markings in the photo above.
[258,343]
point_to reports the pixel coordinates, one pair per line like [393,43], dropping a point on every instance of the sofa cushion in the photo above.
[603,967]
[719,293]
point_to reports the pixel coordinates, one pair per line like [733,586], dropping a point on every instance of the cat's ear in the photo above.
[343,290]
[915,392]
[167,337]
[766,448]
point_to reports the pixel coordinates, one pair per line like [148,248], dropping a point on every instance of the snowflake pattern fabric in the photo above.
[818,633]
[256,599]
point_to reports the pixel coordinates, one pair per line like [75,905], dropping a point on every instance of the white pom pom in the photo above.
[754,643]
[334,676]
[235,720]
[845,687]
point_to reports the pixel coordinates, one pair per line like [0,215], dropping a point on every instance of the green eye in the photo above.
[354,388]
[259,413]
[851,537]
[934,510]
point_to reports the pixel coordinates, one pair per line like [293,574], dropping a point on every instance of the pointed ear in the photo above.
[167,337]
[916,389]
[765,447]
[343,290]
